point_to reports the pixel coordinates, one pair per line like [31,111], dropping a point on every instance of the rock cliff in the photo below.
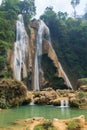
[27,69]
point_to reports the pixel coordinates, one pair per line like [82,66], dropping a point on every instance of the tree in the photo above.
[9,4]
[85,15]
[48,15]
[74,3]
[9,10]
[62,16]
[27,7]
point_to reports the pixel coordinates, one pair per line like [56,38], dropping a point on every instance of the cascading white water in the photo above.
[20,47]
[38,54]
[64,103]
[65,77]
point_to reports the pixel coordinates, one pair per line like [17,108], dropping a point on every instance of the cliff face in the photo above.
[50,67]
[48,51]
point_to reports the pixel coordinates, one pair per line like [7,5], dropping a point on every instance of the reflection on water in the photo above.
[65,112]
[49,112]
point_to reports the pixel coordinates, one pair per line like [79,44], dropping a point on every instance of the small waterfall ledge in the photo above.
[64,103]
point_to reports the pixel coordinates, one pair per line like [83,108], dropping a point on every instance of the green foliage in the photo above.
[39,127]
[69,38]
[10,4]
[74,3]
[62,16]
[47,125]
[74,125]
[50,74]
[9,10]
[81,95]
[27,7]
[82,81]
[74,104]
[3,103]
[12,93]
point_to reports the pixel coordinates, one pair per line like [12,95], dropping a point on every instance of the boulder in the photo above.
[83,88]
[82,82]
[12,93]
[45,96]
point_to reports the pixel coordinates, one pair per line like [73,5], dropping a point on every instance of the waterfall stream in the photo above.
[20,47]
[38,53]
[65,77]
[64,103]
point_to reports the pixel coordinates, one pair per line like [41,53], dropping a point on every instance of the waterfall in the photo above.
[20,46]
[38,53]
[65,77]
[64,103]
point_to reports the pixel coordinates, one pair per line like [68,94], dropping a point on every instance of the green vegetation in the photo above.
[50,74]
[81,95]
[47,125]
[39,127]
[9,10]
[74,3]
[74,125]
[82,98]
[12,93]
[74,104]
[82,82]
[69,38]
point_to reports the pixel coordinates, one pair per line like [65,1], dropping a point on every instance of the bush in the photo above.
[81,82]
[73,125]
[39,127]
[82,94]
[12,93]
[74,104]
[47,125]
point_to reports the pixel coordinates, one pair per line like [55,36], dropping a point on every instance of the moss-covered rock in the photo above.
[74,125]
[47,125]
[12,93]
[82,82]
[45,96]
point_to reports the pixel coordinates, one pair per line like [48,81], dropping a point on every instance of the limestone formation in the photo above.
[27,67]
[48,49]
[77,123]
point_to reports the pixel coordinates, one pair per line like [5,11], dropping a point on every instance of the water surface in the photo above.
[48,112]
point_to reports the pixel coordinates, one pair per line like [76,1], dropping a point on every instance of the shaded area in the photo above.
[50,74]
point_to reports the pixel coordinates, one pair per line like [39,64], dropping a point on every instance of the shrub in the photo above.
[12,93]
[73,125]
[47,125]
[81,95]
[81,82]
[74,104]
[39,127]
